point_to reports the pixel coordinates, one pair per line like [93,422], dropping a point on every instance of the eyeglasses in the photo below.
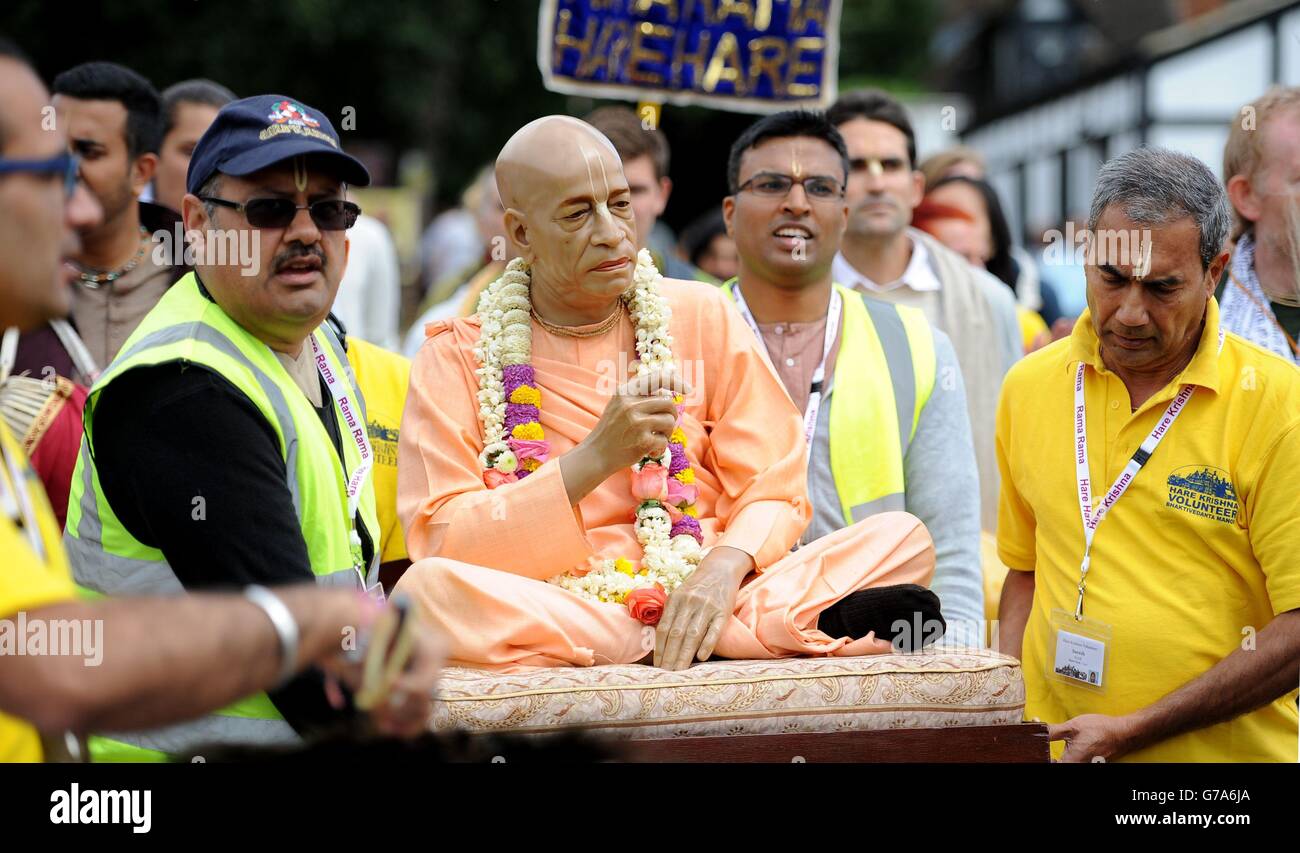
[66,165]
[329,215]
[771,185]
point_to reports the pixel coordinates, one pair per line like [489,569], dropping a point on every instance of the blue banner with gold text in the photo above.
[741,55]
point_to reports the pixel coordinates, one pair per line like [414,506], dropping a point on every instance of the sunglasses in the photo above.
[330,215]
[65,165]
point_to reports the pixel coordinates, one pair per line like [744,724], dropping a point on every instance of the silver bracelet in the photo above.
[286,628]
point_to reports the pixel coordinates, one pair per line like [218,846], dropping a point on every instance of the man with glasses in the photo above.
[885,258]
[226,444]
[111,119]
[155,661]
[896,436]
[46,295]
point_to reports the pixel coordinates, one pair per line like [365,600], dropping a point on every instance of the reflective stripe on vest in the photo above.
[107,559]
[884,375]
[214,729]
[147,573]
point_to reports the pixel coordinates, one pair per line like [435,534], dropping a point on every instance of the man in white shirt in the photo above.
[918,276]
[882,256]
[370,294]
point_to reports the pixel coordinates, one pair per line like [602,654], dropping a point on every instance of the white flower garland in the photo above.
[504,340]
[504,312]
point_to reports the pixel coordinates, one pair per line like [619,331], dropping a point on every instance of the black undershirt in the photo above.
[168,435]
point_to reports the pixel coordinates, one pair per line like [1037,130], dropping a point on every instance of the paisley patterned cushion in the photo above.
[934,688]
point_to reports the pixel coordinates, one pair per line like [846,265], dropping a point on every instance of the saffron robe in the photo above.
[482,555]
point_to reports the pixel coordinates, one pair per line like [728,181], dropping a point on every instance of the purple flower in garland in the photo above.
[519,413]
[514,375]
[689,526]
[679,462]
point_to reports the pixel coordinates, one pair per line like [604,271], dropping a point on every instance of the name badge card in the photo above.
[1078,651]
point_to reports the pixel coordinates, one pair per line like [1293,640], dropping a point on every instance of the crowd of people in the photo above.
[843,405]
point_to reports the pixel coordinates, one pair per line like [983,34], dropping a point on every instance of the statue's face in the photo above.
[573,221]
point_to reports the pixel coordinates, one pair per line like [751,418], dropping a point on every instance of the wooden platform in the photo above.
[1023,743]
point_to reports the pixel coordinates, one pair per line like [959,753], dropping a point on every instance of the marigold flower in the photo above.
[532,431]
[527,395]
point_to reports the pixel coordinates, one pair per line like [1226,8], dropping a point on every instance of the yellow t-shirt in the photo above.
[1032,325]
[1200,549]
[383,377]
[26,581]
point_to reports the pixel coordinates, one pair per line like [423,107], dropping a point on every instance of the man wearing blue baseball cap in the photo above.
[226,444]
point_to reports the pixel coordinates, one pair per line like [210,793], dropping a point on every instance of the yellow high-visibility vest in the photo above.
[106,559]
[884,375]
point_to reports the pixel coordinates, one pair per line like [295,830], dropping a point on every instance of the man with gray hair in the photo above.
[1148,505]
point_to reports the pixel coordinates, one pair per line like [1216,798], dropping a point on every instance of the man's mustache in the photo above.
[297,252]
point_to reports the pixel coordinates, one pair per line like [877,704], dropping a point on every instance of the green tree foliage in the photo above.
[451,78]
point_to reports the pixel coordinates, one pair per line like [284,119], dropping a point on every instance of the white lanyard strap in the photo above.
[353,424]
[1092,517]
[19,506]
[819,375]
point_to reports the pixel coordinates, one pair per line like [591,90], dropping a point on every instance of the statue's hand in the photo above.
[638,420]
[698,610]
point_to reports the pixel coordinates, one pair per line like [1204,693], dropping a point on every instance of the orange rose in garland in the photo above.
[646,604]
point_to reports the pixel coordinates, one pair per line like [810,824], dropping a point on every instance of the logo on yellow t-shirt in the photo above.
[1205,492]
[383,439]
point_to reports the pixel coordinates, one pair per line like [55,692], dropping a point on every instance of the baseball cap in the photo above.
[252,133]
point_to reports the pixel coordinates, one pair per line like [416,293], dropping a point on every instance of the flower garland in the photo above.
[515,445]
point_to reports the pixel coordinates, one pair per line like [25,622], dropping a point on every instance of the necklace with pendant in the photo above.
[94,280]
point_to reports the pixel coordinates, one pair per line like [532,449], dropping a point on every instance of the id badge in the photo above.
[376,592]
[1077,651]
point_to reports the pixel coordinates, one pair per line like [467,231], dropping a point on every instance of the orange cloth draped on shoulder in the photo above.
[482,555]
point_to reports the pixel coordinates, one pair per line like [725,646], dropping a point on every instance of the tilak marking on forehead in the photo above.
[300,173]
[587,155]
[875,167]
[796,166]
[1142,267]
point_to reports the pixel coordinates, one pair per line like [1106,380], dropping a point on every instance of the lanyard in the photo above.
[19,506]
[819,375]
[357,430]
[1092,518]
